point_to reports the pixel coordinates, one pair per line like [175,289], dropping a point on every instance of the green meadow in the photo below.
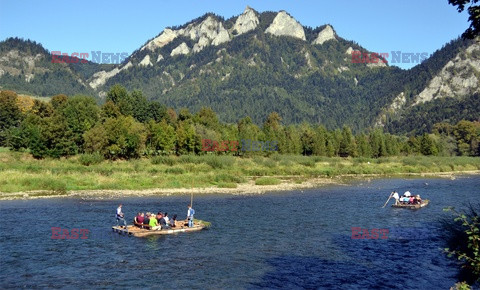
[20,172]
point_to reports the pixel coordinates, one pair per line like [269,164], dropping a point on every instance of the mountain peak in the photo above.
[286,25]
[325,35]
[246,22]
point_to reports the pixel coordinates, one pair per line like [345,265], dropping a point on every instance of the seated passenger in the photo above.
[159,216]
[138,219]
[167,219]
[146,220]
[163,223]
[411,200]
[154,223]
[419,200]
[141,218]
[407,193]
[173,221]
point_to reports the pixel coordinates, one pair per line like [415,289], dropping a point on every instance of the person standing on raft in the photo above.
[121,216]
[396,197]
[190,214]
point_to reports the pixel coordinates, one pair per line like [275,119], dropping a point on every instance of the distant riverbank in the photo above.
[247,188]
[21,176]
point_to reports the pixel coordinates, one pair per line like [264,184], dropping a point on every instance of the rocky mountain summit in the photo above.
[256,63]
[286,25]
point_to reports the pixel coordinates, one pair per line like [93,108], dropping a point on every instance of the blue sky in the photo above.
[416,26]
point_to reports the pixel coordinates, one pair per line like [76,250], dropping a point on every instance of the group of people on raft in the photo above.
[407,198]
[154,222]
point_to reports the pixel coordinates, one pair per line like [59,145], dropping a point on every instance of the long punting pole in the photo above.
[388,200]
[191,196]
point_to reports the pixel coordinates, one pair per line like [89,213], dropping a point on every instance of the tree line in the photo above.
[129,126]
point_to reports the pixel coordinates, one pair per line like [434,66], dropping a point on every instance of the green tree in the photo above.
[347,143]
[140,107]
[474,16]
[247,130]
[467,135]
[161,137]
[320,144]
[157,111]
[58,101]
[80,113]
[377,143]
[208,118]
[364,149]
[122,99]
[293,144]
[307,138]
[186,138]
[273,129]
[10,114]
[122,137]
[427,145]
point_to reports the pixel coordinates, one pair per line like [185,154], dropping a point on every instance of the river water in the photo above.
[296,239]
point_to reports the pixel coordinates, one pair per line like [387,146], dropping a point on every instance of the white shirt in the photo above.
[166,219]
[396,196]
[190,212]
[407,193]
[119,211]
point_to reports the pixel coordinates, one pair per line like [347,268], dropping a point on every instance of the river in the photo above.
[295,239]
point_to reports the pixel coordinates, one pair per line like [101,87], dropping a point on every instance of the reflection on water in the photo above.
[284,240]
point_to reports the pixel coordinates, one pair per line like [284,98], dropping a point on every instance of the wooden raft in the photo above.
[139,232]
[412,206]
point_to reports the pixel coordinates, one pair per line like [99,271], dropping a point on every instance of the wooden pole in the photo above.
[391,194]
[191,197]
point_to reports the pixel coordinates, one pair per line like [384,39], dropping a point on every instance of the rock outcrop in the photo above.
[181,49]
[458,78]
[246,22]
[325,35]
[145,61]
[163,39]
[208,32]
[286,25]
[101,77]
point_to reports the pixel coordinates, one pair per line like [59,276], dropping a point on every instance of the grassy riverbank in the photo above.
[19,172]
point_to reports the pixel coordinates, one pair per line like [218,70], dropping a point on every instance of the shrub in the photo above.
[175,170]
[276,157]
[270,163]
[90,159]
[307,162]
[190,159]
[223,177]
[227,185]
[218,162]
[167,160]
[462,238]
[267,181]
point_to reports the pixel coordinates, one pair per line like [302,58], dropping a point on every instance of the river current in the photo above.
[296,239]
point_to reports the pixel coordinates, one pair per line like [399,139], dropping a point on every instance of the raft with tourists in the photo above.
[424,203]
[407,200]
[145,231]
[149,224]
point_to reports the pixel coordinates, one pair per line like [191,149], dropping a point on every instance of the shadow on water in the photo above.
[393,263]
